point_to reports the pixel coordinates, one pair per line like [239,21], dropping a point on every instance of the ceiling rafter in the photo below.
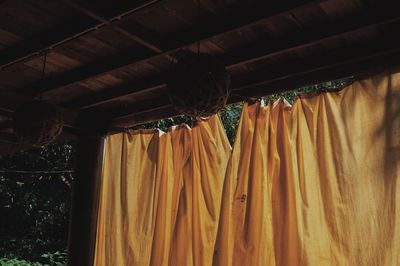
[148,42]
[234,21]
[292,44]
[9,102]
[53,38]
[254,54]
[352,62]
[244,56]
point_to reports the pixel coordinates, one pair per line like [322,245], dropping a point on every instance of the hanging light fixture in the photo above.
[199,85]
[38,122]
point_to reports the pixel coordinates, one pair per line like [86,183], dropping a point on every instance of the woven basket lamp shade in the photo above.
[38,122]
[199,86]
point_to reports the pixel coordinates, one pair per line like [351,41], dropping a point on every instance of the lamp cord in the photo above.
[43,72]
[198,22]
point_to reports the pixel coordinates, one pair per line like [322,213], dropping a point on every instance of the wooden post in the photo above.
[85,198]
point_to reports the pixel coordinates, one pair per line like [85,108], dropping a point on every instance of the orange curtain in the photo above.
[310,184]
[161,196]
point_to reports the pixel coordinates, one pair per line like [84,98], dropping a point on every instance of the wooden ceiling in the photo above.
[107,61]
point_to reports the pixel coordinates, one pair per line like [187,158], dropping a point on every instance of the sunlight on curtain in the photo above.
[161,196]
[311,184]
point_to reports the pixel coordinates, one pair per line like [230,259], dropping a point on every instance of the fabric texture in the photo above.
[310,184]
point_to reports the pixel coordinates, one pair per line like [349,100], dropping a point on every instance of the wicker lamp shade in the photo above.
[38,122]
[199,86]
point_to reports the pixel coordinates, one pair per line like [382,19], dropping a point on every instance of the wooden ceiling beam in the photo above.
[35,45]
[148,42]
[262,50]
[234,21]
[75,28]
[130,89]
[9,102]
[360,67]
[258,84]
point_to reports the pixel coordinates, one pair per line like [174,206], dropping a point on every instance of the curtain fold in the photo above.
[310,184]
[161,196]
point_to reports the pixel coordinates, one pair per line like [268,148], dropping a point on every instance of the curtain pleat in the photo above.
[310,184]
[161,196]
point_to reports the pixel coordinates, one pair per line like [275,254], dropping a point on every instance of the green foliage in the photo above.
[290,96]
[17,262]
[57,258]
[48,259]
[34,204]
[166,124]
[230,116]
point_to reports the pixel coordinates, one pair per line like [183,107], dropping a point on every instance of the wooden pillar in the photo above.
[85,198]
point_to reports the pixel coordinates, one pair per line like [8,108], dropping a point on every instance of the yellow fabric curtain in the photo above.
[311,184]
[161,196]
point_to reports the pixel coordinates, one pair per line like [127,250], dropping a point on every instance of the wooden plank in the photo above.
[65,33]
[9,102]
[233,21]
[359,67]
[260,51]
[148,42]
[148,85]
[114,9]
[34,46]
[331,67]
[309,39]
[154,114]
[342,56]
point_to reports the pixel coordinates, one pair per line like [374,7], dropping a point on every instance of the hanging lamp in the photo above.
[38,122]
[199,85]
